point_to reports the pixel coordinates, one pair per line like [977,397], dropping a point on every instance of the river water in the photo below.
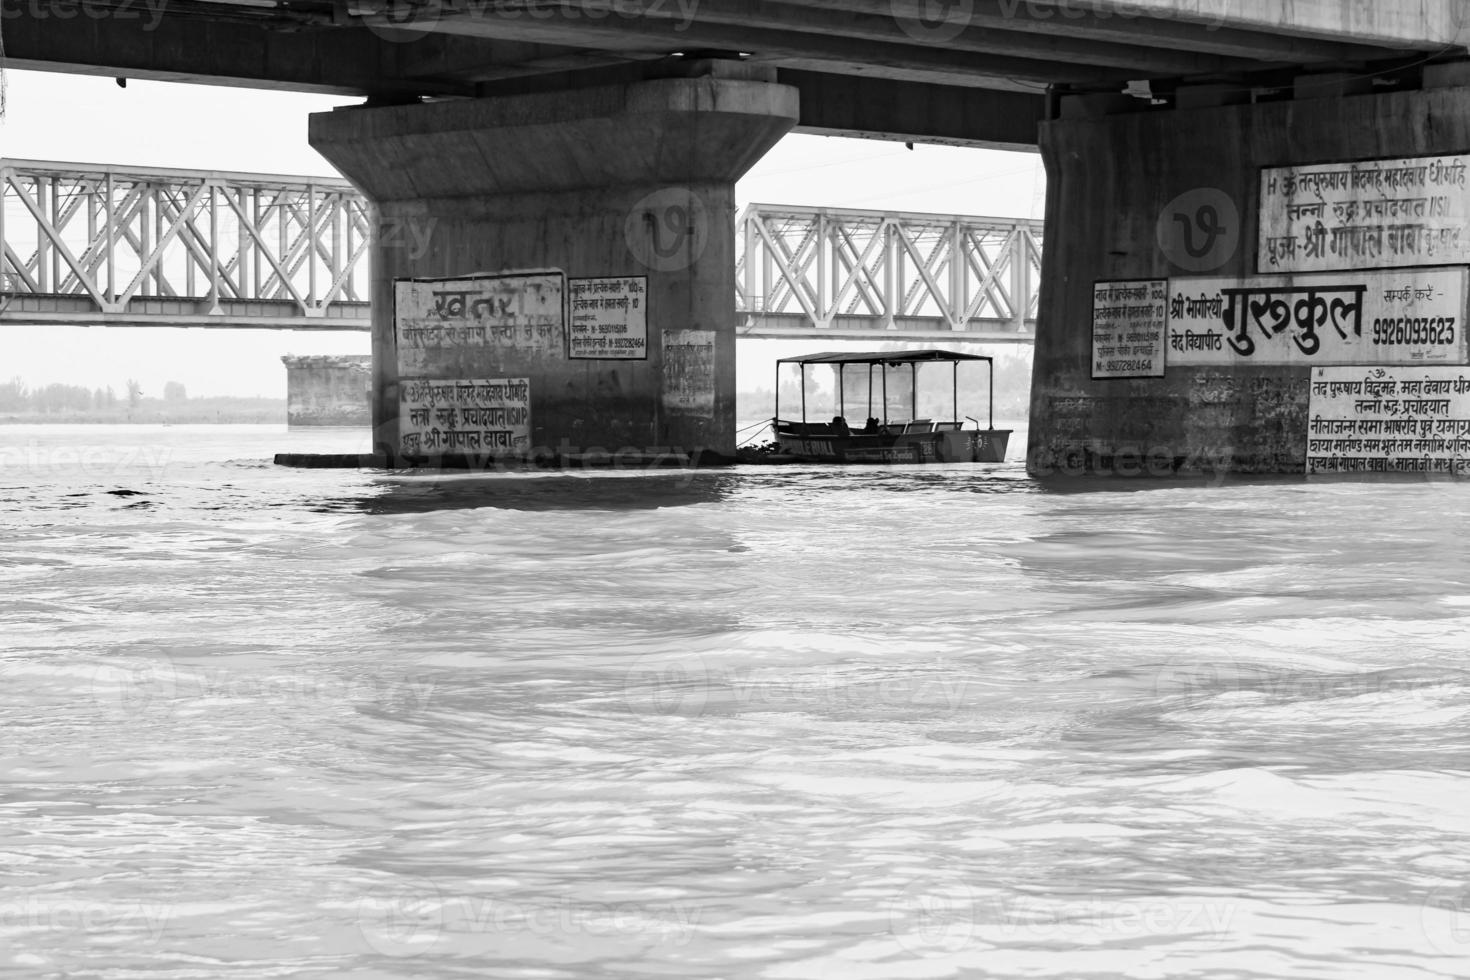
[776,722]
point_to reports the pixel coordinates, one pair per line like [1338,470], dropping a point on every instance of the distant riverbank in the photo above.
[187,411]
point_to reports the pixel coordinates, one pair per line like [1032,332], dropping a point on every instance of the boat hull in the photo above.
[953,446]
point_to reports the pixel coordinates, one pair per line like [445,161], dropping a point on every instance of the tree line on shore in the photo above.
[57,402]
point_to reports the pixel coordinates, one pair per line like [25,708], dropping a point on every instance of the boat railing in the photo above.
[790,428]
[915,427]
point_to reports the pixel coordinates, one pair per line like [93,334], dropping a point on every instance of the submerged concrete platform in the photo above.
[562,461]
[333,461]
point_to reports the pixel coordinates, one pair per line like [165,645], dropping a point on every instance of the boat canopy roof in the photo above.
[883,357]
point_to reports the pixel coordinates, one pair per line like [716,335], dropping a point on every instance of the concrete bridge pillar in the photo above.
[1211,268]
[555,272]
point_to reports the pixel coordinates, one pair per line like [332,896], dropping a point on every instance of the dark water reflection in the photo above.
[778,722]
[533,491]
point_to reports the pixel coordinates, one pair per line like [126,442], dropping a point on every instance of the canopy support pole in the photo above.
[803,394]
[991,365]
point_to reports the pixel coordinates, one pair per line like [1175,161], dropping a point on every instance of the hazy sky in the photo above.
[82,119]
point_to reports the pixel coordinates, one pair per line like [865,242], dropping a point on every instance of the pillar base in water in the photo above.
[1160,350]
[557,269]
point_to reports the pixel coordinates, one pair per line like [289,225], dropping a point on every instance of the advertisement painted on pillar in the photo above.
[1389,420]
[451,327]
[689,372]
[609,318]
[1128,319]
[1366,214]
[480,416]
[1407,316]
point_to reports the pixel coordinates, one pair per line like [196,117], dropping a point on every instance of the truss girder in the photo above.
[88,244]
[850,270]
[198,245]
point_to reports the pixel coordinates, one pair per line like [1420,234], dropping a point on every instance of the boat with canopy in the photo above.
[883,439]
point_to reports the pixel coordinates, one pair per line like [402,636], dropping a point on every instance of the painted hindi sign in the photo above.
[1395,316]
[1372,213]
[1389,420]
[689,372]
[463,325]
[609,318]
[1128,319]
[481,416]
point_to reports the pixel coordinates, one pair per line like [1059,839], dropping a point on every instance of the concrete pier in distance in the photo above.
[329,389]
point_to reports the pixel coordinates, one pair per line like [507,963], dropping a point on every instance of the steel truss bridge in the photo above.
[805,272]
[93,245]
[88,245]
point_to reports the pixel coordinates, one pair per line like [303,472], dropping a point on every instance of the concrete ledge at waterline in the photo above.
[595,459]
[603,459]
[333,461]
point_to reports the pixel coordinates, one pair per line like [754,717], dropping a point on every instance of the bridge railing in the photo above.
[88,244]
[155,246]
[887,274]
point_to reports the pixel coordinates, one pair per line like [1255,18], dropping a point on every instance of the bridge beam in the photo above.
[916,112]
[632,182]
[1182,197]
[355,61]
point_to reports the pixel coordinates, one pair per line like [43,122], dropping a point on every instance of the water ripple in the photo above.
[763,722]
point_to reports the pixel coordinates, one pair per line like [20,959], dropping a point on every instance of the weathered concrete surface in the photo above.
[1109,180]
[574,181]
[1389,22]
[329,389]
